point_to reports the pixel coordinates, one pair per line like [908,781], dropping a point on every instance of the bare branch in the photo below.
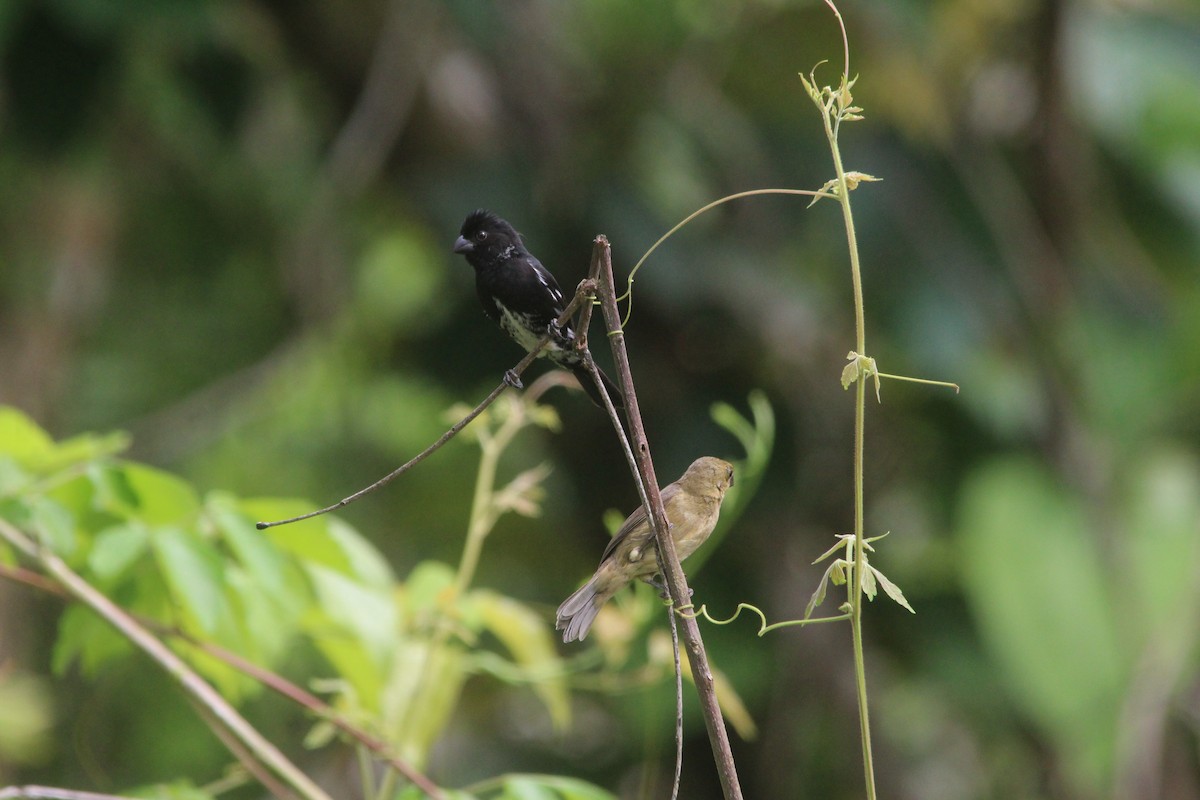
[509,378]
[672,572]
[191,682]
[266,677]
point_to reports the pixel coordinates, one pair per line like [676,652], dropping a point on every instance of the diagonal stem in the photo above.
[191,682]
[454,430]
[676,582]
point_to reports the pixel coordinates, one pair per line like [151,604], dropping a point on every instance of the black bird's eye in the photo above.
[479,237]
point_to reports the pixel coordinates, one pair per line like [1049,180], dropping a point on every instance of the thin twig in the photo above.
[52,793]
[676,581]
[678,703]
[272,680]
[515,372]
[280,685]
[245,757]
[191,682]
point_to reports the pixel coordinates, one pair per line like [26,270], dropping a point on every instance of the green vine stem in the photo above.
[836,106]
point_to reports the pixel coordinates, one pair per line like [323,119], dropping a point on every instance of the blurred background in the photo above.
[225,227]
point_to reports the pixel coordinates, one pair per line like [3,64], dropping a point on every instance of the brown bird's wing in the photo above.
[635,520]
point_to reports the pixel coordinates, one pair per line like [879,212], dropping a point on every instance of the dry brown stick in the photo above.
[255,768]
[317,706]
[510,379]
[52,793]
[272,680]
[188,679]
[676,582]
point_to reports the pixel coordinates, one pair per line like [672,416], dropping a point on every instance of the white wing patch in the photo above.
[553,291]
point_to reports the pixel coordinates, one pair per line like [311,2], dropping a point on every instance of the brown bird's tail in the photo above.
[576,614]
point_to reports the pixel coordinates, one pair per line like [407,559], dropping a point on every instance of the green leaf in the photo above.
[352,661]
[20,436]
[54,526]
[112,491]
[85,637]
[365,562]
[366,612]
[177,790]
[266,625]
[426,585]
[524,787]
[818,595]
[12,477]
[561,788]
[1034,580]
[529,638]
[195,575]
[162,498]
[868,580]
[891,589]
[267,566]
[422,692]
[116,549]
[1161,508]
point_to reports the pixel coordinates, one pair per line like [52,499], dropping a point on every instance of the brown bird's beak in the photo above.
[462,245]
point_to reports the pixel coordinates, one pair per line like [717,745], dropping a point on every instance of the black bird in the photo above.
[520,294]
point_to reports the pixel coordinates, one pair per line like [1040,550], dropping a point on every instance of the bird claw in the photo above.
[513,380]
[664,593]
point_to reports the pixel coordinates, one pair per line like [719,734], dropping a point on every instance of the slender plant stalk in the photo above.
[676,581]
[482,517]
[191,682]
[454,430]
[854,586]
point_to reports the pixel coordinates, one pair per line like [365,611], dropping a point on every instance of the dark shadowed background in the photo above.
[225,227]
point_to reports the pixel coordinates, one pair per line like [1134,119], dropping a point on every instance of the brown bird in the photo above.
[692,503]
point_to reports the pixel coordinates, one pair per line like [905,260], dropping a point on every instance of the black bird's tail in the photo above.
[585,380]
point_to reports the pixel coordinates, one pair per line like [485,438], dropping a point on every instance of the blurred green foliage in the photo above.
[224,229]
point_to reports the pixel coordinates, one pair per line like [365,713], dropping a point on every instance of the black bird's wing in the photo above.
[522,285]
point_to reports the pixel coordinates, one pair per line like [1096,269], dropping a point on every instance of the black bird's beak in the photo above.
[731,477]
[462,245]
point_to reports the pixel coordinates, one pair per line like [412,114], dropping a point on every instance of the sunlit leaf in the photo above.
[21,437]
[365,561]
[868,580]
[177,790]
[366,612]
[54,526]
[270,569]
[116,548]
[891,589]
[426,585]
[560,788]
[163,499]
[194,572]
